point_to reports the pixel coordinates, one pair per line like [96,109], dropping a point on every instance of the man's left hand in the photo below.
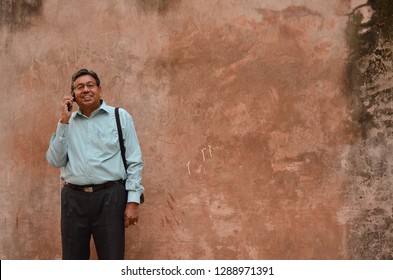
[131,214]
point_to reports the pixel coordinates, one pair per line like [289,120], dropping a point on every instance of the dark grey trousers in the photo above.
[99,214]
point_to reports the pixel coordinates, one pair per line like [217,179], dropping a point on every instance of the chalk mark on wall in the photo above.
[188,167]
[203,154]
[202,160]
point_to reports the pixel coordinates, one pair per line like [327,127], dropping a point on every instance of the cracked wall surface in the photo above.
[265,125]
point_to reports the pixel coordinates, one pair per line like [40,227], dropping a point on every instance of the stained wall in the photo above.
[246,112]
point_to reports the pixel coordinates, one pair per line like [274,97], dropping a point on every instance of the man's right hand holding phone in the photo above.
[66,109]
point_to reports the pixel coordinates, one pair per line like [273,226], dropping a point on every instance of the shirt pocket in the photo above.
[105,142]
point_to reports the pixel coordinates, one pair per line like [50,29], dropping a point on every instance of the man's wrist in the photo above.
[132,206]
[64,120]
[132,203]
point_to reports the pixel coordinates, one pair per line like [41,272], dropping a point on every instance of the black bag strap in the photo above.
[122,147]
[121,140]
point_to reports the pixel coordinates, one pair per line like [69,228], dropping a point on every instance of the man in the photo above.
[100,197]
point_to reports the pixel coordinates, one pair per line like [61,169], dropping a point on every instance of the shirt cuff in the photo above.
[134,196]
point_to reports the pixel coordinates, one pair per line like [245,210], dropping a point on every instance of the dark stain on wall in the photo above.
[157,6]
[369,191]
[17,13]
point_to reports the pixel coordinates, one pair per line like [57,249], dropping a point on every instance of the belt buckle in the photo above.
[88,189]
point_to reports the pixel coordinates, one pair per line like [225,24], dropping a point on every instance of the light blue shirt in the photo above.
[88,151]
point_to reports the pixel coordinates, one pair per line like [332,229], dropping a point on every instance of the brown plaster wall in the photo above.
[245,113]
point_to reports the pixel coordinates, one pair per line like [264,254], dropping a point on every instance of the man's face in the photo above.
[87,93]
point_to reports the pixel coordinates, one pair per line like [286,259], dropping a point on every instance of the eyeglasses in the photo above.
[81,87]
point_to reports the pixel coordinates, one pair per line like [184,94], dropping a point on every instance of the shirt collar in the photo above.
[104,107]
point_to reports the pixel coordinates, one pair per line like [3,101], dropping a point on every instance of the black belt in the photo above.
[92,188]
